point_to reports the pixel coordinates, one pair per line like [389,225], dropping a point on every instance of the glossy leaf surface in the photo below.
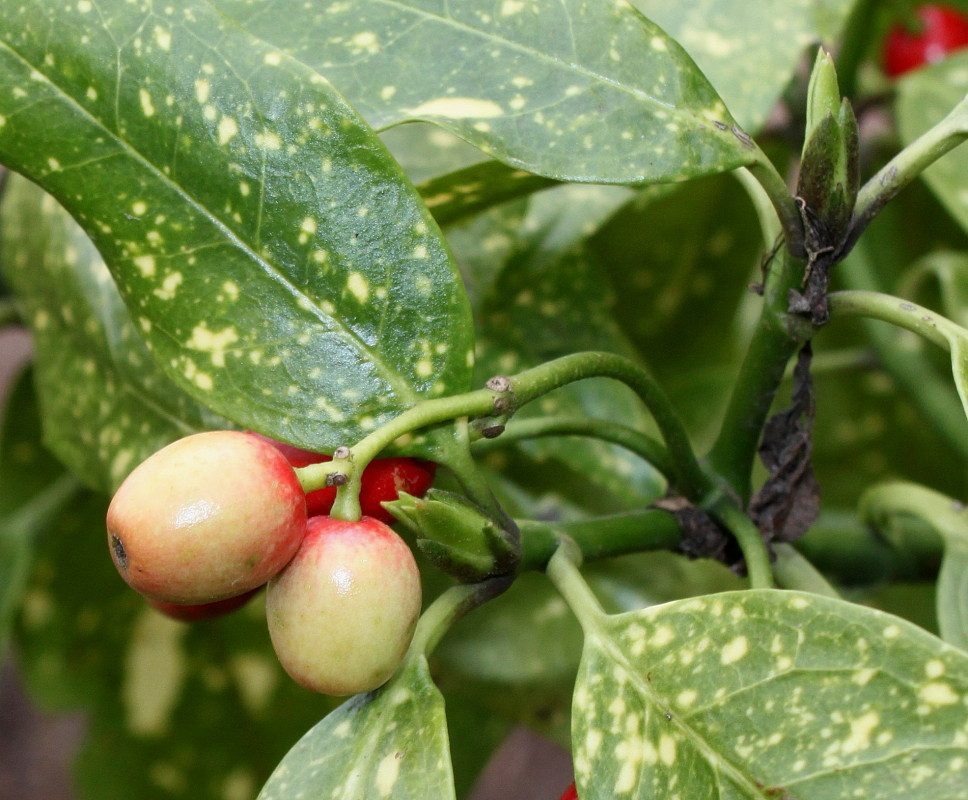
[277,261]
[749,49]
[387,743]
[575,90]
[763,694]
[120,407]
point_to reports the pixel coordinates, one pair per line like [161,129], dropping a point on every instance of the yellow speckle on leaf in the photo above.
[358,287]
[938,693]
[147,106]
[735,650]
[145,265]
[227,130]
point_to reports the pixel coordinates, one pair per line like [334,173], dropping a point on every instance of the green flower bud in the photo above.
[458,537]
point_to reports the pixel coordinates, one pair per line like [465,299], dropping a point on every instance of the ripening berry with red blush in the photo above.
[207,518]
[342,613]
[940,31]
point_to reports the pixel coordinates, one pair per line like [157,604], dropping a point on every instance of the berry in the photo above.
[382,480]
[571,793]
[203,611]
[942,30]
[207,518]
[342,613]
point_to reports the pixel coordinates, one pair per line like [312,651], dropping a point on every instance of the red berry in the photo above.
[571,793]
[207,518]
[203,611]
[943,29]
[382,481]
[385,478]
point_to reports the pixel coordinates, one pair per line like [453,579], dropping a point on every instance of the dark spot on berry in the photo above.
[120,555]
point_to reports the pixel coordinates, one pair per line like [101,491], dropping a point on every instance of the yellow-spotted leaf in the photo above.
[121,407]
[391,743]
[273,255]
[585,90]
[768,694]
[749,49]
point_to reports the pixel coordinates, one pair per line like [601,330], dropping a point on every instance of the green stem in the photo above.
[564,574]
[528,386]
[885,307]
[783,203]
[770,227]
[904,168]
[916,378]
[777,337]
[604,537]
[454,603]
[477,489]
[750,542]
[634,441]
[793,571]
[902,498]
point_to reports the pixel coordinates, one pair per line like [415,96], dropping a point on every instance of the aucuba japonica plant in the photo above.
[668,301]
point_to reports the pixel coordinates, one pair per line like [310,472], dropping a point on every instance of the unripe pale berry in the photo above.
[208,517]
[342,613]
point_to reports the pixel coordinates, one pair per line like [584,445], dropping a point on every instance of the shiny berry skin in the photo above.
[342,613]
[943,29]
[207,518]
[571,793]
[203,611]
[382,480]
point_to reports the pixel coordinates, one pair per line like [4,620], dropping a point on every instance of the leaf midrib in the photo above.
[393,378]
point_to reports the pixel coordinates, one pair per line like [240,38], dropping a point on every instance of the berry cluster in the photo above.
[204,523]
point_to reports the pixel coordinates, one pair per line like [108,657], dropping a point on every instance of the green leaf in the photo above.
[749,49]
[457,195]
[387,743]
[573,90]
[120,407]
[33,489]
[277,261]
[766,694]
[677,259]
[924,98]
